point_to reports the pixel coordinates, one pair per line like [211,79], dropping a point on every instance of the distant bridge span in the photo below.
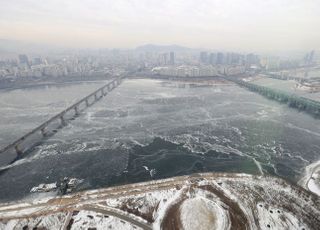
[74,110]
[301,103]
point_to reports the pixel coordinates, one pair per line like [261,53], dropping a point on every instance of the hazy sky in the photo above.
[217,24]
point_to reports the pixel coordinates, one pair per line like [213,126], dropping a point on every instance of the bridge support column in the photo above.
[104,91]
[43,131]
[18,150]
[87,102]
[63,122]
[76,111]
[95,97]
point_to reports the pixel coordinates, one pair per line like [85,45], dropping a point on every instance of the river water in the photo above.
[21,110]
[150,129]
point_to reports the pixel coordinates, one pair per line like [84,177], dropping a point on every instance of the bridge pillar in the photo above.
[63,122]
[18,150]
[102,92]
[43,131]
[95,97]
[87,102]
[76,111]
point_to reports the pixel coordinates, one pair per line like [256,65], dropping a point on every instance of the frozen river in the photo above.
[21,110]
[170,127]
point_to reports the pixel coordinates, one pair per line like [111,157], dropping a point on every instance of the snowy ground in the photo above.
[201,213]
[314,181]
[314,185]
[311,179]
[199,201]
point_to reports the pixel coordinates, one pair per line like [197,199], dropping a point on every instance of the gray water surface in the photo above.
[171,127]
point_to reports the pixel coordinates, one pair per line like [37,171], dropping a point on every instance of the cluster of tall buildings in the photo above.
[114,62]
[309,58]
[274,63]
[205,58]
[24,60]
[166,58]
[24,66]
[220,58]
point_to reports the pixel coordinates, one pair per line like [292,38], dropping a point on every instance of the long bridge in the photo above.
[49,127]
[31,139]
[305,104]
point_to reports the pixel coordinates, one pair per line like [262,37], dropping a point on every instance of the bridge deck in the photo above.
[301,103]
[109,86]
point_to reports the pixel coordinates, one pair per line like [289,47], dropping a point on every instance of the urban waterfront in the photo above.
[150,129]
[131,115]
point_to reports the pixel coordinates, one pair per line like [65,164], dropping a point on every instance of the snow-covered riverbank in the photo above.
[239,201]
[311,179]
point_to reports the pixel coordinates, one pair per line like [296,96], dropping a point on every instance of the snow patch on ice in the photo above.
[44,187]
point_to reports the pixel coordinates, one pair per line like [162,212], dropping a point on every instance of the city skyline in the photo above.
[228,25]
